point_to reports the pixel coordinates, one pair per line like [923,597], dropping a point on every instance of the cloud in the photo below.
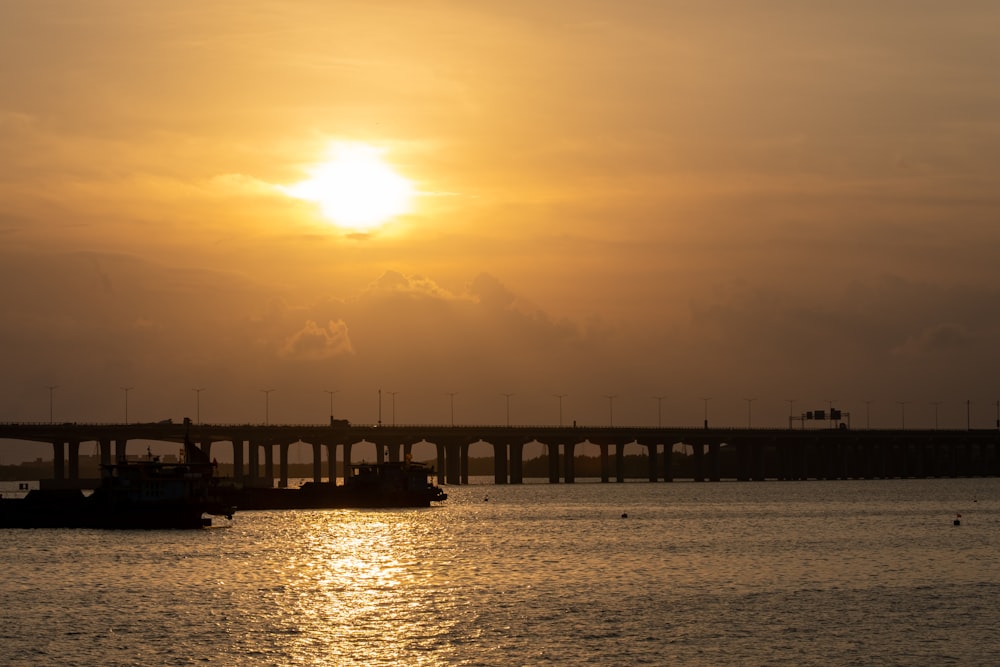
[394,282]
[491,292]
[936,340]
[314,342]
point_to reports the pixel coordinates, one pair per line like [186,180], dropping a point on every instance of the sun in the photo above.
[355,188]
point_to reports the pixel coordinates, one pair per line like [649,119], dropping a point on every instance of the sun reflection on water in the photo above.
[358,588]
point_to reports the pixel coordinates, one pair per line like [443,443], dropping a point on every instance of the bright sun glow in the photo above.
[355,188]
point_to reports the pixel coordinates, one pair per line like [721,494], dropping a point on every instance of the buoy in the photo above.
[486,499]
[624,515]
[957,521]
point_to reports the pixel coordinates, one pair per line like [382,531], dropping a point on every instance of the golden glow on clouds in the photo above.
[355,188]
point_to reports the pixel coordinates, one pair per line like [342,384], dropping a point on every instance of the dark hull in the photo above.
[328,496]
[142,494]
[73,510]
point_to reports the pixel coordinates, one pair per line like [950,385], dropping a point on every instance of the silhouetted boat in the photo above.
[145,494]
[391,484]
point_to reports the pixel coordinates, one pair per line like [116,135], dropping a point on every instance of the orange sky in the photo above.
[772,200]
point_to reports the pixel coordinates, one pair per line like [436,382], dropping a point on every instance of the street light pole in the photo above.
[749,413]
[126,390]
[659,411]
[706,399]
[936,404]
[507,396]
[611,408]
[197,404]
[51,388]
[791,411]
[393,394]
[560,397]
[451,395]
[331,392]
[267,405]
[902,414]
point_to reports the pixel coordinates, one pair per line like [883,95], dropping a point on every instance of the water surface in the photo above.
[794,573]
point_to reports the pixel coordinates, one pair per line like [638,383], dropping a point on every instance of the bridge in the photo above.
[705,454]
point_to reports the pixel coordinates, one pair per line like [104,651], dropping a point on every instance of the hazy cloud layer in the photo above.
[732,200]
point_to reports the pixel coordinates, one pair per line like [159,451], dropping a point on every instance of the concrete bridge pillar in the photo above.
[821,457]
[786,459]
[105,451]
[453,463]
[500,463]
[569,462]
[347,460]
[952,458]
[927,458]
[317,461]
[842,455]
[847,460]
[757,452]
[253,461]
[801,460]
[699,462]
[919,449]
[440,462]
[825,459]
[283,464]
[605,462]
[864,460]
[901,459]
[269,463]
[873,460]
[714,462]
[882,462]
[743,459]
[206,447]
[668,462]
[238,457]
[74,459]
[121,445]
[651,458]
[517,463]
[852,459]
[553,461]
[843,460]
[463,465]
[58,460]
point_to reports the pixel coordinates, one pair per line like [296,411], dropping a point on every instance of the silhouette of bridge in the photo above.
[701,454]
